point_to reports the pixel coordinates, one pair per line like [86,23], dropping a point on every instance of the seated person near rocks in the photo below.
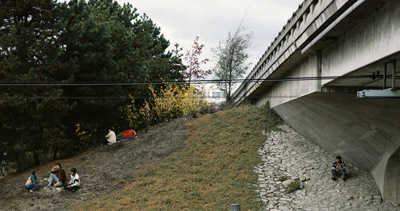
[74,184]
[58,176]
[338,169]
[110,137]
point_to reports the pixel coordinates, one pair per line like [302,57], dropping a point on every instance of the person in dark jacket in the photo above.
[58,176]
[31,182]
[62,177]
[338,169]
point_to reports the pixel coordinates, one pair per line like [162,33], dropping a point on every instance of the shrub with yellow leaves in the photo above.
[165,104]
[132,113]
[192,101]
[84,136]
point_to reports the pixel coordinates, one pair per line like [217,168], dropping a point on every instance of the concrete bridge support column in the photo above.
[392,178]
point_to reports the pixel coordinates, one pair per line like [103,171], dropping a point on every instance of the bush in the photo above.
[283,178]
[292,187]
[204,109]
[166,104]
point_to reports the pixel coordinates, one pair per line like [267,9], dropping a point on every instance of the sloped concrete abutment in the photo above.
[365,132]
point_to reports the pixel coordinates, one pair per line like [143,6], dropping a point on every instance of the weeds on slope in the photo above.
[212,171]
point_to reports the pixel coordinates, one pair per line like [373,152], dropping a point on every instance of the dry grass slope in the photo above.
[212,171]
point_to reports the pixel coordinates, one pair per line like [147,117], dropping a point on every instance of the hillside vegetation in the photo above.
[212,171]
[102,170]
[68,61]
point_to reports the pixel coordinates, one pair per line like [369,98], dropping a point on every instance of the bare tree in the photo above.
[232,58]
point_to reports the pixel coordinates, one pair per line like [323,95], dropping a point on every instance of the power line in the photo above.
[110,83]
[89,97]
[107,98]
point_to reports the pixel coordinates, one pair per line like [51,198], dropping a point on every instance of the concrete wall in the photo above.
[286,91]
[376,37]
[392,179]
[365,132]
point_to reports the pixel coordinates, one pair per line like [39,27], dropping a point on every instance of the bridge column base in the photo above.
[391,190]
[363,131]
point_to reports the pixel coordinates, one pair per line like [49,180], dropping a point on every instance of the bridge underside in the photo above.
[365,132]
[311,74]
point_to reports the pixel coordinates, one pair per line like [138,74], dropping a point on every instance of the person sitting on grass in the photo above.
[75,182]
[110,137]
[338,169]
[58,176]
[129,134]
[31,182]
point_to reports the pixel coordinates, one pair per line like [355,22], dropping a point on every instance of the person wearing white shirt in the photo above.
[110,137]
[75,182]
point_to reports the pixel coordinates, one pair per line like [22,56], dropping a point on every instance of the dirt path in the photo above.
[101,170]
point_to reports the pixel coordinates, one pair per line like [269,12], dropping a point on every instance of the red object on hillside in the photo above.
[128,134]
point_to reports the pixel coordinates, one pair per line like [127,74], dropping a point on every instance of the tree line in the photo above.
[85,51]
[75,42]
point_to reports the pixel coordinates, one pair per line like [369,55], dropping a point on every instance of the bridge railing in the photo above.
[305,24]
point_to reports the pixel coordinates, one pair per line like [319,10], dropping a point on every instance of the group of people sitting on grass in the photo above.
[111,138]
[57,178]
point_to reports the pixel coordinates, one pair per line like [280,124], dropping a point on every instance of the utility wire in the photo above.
[89,97]
[107,98]
[110,83]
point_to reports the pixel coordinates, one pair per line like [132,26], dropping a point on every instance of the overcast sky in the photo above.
[182,20]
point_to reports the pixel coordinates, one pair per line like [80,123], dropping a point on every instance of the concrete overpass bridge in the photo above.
[341,47]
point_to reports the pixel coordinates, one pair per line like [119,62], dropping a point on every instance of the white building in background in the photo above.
[213,94]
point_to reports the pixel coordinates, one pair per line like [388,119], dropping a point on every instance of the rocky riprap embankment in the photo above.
[287,156]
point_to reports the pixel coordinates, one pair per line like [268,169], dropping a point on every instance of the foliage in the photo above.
[192,100]
[231,58]
[132,113]
[78,42]
[166,104]
[283,178]
[84,136]
[118,45]
[147,114]
[29,53]
[274,117]
[293,186]
[212,171]
[192,59]
[205,109]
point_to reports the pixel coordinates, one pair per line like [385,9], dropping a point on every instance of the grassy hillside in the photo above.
[212,171]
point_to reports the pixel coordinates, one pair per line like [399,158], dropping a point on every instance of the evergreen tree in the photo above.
[109,43]
[95,41]
[29,47]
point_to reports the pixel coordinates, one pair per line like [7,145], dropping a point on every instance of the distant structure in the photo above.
[331,74]
[213,94]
